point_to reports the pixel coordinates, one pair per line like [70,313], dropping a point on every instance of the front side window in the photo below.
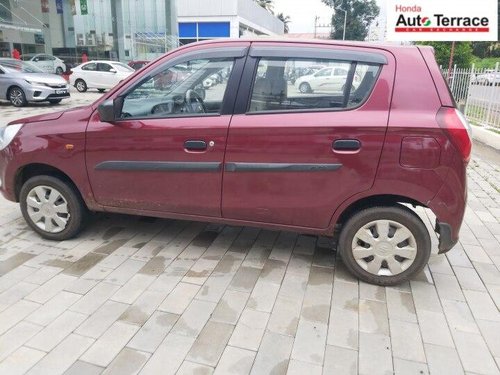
[196,87]
[287,84]
[89,66]
[102,67]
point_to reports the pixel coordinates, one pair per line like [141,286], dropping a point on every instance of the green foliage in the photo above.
[486,49]
[360,13]
[486,63]
[286,20]
[462,57]
[266,4]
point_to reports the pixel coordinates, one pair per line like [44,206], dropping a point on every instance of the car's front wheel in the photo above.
[80,85]
[385,245]
[17,97]
[52,208]
[305,88]
[59,71]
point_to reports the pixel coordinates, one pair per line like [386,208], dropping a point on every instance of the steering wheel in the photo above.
[194,102]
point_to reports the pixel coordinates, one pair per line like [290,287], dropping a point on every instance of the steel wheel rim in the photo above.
[16,96]
[384,248]
[48,209]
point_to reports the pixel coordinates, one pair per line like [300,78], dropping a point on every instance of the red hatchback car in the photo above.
[346,158]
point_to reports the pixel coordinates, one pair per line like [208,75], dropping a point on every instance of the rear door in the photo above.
[292,158]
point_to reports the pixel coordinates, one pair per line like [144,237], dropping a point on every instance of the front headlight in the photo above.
[35,83]
[7,134]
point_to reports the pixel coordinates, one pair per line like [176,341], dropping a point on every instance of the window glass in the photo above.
[89,66]
[102,67]
[308,84]
[196,87]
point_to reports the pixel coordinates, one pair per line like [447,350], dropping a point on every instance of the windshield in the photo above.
[123,67]
[18,66]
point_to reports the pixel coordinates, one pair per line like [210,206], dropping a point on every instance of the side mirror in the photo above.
[109,110]
[112,70]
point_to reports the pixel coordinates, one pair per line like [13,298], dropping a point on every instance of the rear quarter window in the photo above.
[295,84]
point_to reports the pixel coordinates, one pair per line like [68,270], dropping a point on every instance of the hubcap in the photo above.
[48,209]
[16,97]
[80,86]
[384,248]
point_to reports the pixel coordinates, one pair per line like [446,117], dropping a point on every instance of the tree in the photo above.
[360,13]
[286,20]
[266,4]
[462,57]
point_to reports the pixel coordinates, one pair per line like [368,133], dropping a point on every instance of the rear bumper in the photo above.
[446,240]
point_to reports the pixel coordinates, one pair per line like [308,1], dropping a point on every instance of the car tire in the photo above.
[101,90]
[305,88]
[80,85]
[59,71]
[380,260]
[17,97]
[55,101]
[47,199]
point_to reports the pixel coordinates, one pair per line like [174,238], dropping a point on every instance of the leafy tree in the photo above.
[462,57]
[360,13]
[286,20]
[266,4]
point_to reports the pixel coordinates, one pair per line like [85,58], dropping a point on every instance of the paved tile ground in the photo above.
[140,295]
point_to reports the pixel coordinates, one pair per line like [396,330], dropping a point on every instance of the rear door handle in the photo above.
[195,145]
[346,145]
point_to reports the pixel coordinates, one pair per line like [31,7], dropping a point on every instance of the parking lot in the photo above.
[143,295]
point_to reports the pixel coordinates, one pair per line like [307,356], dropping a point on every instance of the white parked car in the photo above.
[489,77]
[327,79]
[47,63]
[99,75]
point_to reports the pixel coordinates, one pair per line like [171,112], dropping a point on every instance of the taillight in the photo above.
[458,130]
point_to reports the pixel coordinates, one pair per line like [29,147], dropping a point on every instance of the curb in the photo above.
[487,137]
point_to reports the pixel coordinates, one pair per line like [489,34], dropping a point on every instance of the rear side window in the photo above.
[297,84]
[89,66]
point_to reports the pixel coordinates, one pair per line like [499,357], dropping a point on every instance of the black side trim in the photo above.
[319,53]
[280,167]
[158,166]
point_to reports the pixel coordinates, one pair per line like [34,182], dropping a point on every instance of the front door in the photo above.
[165,152]
[292,158]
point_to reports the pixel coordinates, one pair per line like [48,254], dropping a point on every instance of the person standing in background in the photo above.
[85,58]
[15,54]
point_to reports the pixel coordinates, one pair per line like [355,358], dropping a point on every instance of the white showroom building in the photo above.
[211,19]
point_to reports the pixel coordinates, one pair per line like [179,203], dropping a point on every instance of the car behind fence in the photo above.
[477,93]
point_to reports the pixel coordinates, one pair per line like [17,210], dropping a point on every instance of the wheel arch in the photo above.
[370,201]
[39,169]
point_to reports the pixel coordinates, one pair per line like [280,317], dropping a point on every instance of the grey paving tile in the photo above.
[230,307]
[405,367]
[180,298]
[210,344]
[102,319]
[127,362]
[51,288]
[235,361]
[143,307]
[375,354]
[474,353]
[16,337]
[443,360]
[83,368]
[400,306]
[153,332]
[194,318]
[273,355]
[482,305]
[105,349]
[373,317]
[340,361]
[250,329]
[296,367]
[434,328]
[15,313]
[53,308]
[310,342]
[63,356]
[188,368]
[91,301]
[169,356]
[406,341]
[21,361]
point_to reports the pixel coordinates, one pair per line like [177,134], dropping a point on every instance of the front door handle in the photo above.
[195,145]
[346,145]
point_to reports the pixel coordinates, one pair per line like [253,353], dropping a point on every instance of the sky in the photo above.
[302,14]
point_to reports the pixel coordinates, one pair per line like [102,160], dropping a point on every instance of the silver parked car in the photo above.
[22,82]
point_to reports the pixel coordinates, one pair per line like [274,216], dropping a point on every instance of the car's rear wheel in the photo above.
[59,71]
[52,208]
[80,85]
[17,97]
[385,245]
[305,88]
[55,101]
